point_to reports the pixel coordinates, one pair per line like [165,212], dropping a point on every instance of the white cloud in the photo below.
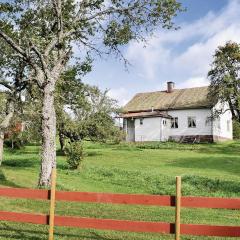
[122,95]
[194,82]
[184,56]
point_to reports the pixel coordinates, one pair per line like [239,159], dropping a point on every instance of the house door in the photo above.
[163,130]
[130,130]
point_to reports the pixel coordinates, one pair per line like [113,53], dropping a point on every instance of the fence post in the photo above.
[178,208]
[52,203]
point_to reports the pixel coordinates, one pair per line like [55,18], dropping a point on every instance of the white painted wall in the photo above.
[149,130]
[220,124]
[201,127]
[153,130]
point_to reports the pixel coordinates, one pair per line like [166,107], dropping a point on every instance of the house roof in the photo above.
[145,114]
[162,100]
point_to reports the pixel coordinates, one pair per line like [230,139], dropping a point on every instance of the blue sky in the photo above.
[182,56]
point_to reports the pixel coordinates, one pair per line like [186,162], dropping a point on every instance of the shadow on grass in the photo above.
[21,163]
[227,188]
[60,153]
[94,153]
[8,232]
[227,148]
[229,164]
[5,182]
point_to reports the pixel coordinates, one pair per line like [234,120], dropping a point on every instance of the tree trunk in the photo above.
[1,146]
[48,135]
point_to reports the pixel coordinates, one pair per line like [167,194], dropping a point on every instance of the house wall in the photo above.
[221,130]
[149,130]
[202,128]
[152,128]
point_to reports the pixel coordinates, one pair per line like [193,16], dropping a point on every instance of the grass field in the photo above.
[207,170]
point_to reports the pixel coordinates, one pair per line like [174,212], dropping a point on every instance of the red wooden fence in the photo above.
[123,225]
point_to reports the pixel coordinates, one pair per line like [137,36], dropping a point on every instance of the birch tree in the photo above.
[43,33]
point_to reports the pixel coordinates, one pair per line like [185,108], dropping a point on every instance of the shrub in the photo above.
[75,155]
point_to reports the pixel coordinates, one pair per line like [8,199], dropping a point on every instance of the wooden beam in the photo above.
[178,209]
[52,204]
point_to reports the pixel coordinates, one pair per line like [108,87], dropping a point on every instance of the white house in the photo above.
[184,115]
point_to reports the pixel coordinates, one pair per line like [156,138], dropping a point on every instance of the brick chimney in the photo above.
[170,87]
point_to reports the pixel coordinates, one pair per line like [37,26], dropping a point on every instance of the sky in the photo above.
[183,56]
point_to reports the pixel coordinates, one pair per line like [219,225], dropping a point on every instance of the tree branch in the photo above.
[6,84]
[13,44]
[41,58]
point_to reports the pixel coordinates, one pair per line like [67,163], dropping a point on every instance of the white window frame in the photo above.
[174,122]
[191,122]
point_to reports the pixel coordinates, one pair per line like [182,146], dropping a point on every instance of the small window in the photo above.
[228,125]
[141,121]
[174,122]
[164,122]
[192,122]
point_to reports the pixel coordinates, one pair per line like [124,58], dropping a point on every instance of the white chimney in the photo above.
[170,87]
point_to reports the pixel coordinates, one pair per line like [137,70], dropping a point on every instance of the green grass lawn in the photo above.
[206,170]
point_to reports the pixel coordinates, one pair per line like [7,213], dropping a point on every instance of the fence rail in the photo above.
[129,199]
[122,225]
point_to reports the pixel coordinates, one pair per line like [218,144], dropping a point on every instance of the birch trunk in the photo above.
[48,135]
[1,146]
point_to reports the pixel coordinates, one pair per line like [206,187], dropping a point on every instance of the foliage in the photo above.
[74,154]
[42,34]
[84,112]
[225,77]
[236,129]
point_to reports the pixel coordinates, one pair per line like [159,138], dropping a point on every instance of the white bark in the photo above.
[48,135]
[1,146]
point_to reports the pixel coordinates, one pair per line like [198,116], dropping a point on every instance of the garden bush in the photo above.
[75,155]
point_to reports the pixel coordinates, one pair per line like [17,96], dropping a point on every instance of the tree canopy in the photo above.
[225,77]
[43,32]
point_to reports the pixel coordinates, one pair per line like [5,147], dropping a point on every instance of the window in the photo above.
[174,122]
[164,122]
[209,121]
[141,121]
[228,125]
[192,122]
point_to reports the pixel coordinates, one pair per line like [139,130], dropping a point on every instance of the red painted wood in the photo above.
[123,225]
[116,198]
[25,193]
[208,230]
[23,217]
[117,225]
[210,202]
[193,202]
